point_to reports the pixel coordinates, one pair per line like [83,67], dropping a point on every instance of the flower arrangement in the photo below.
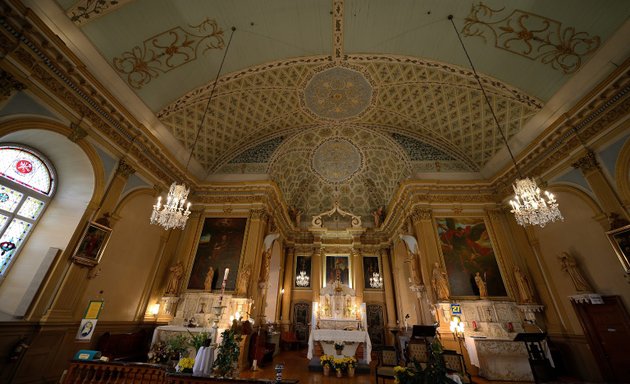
[198,339]
[160,353]
[327,360]
[343,363]
[404,375]
[185,364]
[351,362]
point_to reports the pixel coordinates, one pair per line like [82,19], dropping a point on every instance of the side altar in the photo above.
[339,323]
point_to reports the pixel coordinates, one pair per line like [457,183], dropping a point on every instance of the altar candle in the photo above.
[227,270]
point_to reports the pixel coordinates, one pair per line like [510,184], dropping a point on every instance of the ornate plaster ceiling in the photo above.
[389,85]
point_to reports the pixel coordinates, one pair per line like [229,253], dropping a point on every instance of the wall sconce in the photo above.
[457,327]
[155,309]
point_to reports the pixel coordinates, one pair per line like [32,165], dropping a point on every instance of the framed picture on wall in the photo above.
[620,240]
[302,265]
[337,267]
[219,247]
[468,251]
[93,242]
[370,267]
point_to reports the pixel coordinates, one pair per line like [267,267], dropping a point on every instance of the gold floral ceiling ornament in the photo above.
[336,160]
[337,93]
[528,206]
[167,51]
[532,36]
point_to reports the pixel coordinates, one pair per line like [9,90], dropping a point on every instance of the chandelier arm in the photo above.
[485,95]
[214,86]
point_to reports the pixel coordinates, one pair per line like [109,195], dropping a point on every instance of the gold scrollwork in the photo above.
[167,51]
[532,36]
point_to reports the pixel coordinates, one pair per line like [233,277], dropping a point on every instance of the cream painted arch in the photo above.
[78,168]
[622,174]
[9,127]
[580,194]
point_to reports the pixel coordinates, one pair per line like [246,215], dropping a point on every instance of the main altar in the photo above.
[339,324]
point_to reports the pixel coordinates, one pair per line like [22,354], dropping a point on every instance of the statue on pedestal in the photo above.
[177,271]
[243,280]
[570,266]
[440,283]
[481,284]
[207,284]
[525,292]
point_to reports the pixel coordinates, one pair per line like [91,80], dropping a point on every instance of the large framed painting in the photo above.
[220,246]
[620,240]
[302,264]
[370,267]
[337,268]
[467,250]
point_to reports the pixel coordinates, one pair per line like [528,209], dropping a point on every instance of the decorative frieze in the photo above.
[77,133]
[8,85]
[587,163]
[125,169]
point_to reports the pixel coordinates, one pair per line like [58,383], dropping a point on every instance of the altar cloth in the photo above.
[336,335]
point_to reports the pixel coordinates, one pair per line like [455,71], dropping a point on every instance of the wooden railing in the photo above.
[97,372]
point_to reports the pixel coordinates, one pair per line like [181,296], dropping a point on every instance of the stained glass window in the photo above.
[9,199]
[26,168]
[31,208]
[26,186]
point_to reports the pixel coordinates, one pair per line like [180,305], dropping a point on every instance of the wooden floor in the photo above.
[296,367]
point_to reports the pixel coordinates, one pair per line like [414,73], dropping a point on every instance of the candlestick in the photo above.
[227,270]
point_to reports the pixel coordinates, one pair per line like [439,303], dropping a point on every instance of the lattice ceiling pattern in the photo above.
[384,165]
[433,102]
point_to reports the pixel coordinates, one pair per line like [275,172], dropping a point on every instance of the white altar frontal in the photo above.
[339,319]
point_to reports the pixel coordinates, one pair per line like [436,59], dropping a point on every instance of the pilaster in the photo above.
[388,285]
[359,284]
[287,285]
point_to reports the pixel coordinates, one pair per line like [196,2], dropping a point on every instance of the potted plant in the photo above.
[351,363]
[226,360]
[340,365]
[160,353]
[327,362]
[185,365]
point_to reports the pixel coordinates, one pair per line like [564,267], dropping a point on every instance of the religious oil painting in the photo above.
[620,240]
[468,250]
[337,268]
[220,246]
[92,244]
[302,264]
[370,267]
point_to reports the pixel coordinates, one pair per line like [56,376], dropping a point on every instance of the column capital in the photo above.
[125,169]
[8,84]
[260,214]
[421,214]
[586,163]
[77,133]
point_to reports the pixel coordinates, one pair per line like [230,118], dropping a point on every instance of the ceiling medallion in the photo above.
[336,160]
[338,93]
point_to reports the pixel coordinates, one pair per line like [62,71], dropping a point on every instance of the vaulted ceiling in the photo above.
[338,99]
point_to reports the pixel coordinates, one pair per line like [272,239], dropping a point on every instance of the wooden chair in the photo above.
[418,351]
[387,360]
[288,340]
[454,363]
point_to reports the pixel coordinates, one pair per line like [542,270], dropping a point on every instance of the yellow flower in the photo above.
[186,363]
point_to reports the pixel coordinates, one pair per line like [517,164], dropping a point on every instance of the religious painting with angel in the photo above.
[220,247]
[468,250]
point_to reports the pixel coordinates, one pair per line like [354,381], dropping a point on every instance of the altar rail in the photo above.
[96,372]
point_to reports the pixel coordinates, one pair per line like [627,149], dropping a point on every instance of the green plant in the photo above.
[228,354]
[197,340]
[433,373]
[178,344]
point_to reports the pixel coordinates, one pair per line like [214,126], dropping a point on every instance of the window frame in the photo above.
[26,192]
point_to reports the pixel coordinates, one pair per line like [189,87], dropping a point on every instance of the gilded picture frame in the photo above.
[620,240]
[92,245]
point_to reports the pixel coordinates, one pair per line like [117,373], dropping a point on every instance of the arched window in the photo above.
[27,183]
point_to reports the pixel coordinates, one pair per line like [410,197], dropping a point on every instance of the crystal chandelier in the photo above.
[376,281]
[172,214]
[528,206]
[302,280]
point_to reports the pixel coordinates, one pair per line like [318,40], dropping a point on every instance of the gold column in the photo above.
[287,284]
[605,193]
[388,285]
[253,255]
[316,273]
[359,285]
[428,245]
[112,196]
[504,248]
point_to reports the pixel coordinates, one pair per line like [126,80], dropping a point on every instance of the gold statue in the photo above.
[207,284]
[481,284]
[570,266]
[243,280]
[525,292]
[440,283]
[177,271]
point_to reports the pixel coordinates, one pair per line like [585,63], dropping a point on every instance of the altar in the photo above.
[350,340]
